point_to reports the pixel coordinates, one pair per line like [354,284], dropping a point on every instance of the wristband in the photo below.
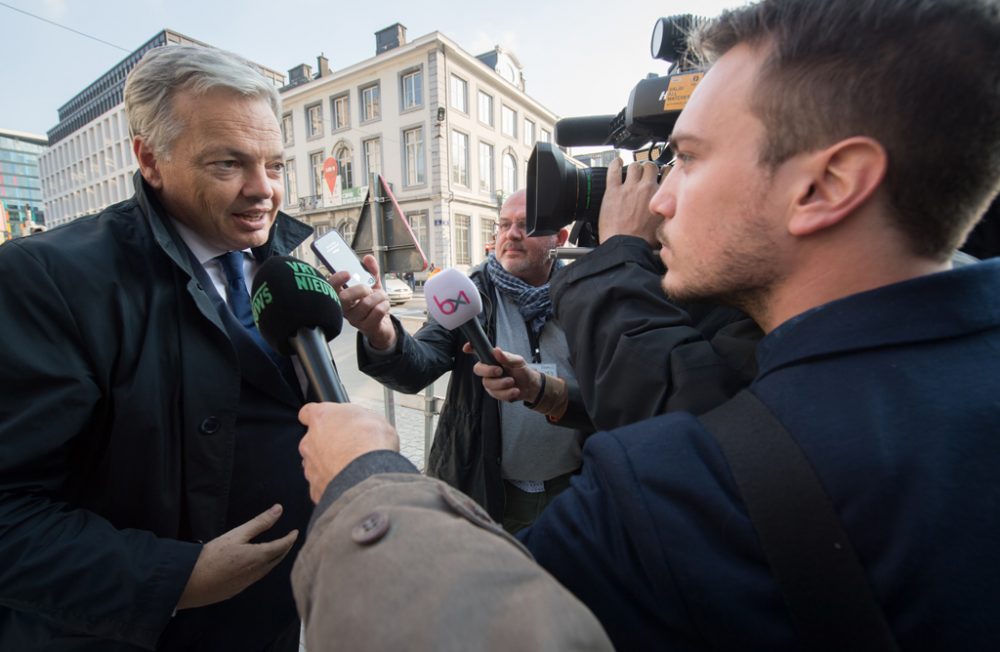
[538,399]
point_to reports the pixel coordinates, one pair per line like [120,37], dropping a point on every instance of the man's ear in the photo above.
[835,182]
[149,164]
[562,236]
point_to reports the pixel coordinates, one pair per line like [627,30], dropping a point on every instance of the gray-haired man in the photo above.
[146,437]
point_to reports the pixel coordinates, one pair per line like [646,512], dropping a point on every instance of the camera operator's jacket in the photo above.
[467,448]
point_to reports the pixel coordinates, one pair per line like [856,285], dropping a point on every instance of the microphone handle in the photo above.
[314,354]
[473,332]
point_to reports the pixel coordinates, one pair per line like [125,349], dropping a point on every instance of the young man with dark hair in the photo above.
[827,166]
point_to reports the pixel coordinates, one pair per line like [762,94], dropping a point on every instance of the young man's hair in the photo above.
[922,77]
[164,72]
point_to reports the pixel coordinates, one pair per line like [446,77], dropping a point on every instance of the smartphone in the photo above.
[336,254]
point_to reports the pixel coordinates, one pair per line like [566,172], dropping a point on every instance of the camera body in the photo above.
[561,190]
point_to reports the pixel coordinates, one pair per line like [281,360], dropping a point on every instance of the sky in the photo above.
[580,57]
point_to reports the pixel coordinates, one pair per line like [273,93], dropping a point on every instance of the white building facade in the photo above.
[450,131]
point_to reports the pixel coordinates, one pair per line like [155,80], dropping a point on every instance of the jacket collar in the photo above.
[948,304]
[286,233]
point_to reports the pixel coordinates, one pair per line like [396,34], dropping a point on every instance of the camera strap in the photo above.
[831,602]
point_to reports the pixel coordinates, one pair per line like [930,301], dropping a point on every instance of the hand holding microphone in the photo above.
[297,311]
[454,302]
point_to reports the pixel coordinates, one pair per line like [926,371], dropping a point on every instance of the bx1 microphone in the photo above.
[585,131]
[297,311]
[454,302]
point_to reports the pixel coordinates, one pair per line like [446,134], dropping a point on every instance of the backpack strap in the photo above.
[810,557]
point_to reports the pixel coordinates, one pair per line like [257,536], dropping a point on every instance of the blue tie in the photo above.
[239,304]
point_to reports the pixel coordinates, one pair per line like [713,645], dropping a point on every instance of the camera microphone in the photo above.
[454,302]
[591,130]
[297,311]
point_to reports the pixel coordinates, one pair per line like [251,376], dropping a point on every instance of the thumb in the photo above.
[257,525]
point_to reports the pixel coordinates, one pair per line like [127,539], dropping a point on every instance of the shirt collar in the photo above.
[199,246]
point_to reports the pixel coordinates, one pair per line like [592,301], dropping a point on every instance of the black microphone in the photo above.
[591,130]
[297,311]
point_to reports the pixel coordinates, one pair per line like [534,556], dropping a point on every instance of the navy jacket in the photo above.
[894,396]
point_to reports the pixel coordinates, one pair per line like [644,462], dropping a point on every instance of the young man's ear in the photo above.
[562,236]
[835,182]
[149,165]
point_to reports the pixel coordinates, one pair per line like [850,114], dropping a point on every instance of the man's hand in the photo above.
[337,434]
[230,563]
[625,207]
[521,382]
[365,308]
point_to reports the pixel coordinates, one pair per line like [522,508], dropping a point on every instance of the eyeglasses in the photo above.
[503,226]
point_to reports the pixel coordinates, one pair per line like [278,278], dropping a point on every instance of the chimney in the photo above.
[300,74]
[391,37]
[323,64]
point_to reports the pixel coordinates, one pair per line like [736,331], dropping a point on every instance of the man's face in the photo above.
[722,211]
[524,257]
[223,175]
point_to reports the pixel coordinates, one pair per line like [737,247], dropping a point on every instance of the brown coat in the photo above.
[405,562]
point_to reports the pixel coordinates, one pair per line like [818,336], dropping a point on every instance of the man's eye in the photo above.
[680,159]
[276,167]
[226,165]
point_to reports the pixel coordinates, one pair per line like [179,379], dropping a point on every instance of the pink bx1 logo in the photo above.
[450,306]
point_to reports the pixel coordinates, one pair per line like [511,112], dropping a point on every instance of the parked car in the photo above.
[398,290]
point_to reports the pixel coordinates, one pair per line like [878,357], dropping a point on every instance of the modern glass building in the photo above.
[20,183]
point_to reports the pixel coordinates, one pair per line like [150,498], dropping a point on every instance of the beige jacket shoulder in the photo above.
[405,562]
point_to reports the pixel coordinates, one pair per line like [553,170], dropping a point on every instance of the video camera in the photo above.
[561,189]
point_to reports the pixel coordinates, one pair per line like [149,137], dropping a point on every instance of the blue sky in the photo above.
[580,58]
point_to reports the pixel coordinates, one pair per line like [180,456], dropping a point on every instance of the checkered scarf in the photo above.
[534,303]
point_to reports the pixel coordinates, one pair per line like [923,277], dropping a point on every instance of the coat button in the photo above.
[210,426]
[371,528]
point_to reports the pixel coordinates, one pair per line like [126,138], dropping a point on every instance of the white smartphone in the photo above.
[336,254]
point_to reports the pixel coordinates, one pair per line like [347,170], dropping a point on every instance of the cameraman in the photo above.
[636,352]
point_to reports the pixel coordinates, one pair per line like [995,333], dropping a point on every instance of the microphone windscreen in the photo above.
[585,131]
[452,298]
[289,294]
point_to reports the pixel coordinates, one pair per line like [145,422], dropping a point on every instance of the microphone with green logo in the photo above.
[298,312]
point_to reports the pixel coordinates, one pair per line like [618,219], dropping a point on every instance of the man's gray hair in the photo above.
[165,71]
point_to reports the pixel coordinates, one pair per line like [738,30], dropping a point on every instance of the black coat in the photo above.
[117,426]
[466,448]
[637,353]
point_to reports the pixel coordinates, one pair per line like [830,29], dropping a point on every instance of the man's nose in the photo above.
[257,183]
[664,201]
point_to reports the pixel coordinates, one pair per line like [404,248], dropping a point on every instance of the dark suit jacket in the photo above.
[118,419]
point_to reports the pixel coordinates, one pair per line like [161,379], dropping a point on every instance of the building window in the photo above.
[418,224]
[509,174]
[316,173]
[340,110]
[413,157]
[485,108]
[413,89]
[546,136]
[486,168]
[291,184]
[287,133]
[460,158]
[487,231]
[462,243]
[314,120]
[529,132]
[347,229]
[508,121]
[372,157]
[371,106]
[345,170]
[459,94]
